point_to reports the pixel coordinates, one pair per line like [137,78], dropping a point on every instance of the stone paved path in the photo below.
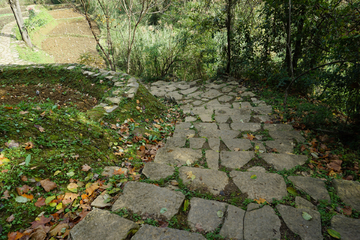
[211,150]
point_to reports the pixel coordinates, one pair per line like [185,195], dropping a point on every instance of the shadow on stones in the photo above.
[223,147]
[256,162]
[286,233]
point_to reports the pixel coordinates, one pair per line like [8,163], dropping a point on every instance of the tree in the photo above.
[15,7]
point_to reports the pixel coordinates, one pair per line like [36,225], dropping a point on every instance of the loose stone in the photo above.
[237,144]
[144,198]
[157,171]
[204,214]
[283,161]
[349,228]
[212,159]
[197,143]
[177,156]
[158,233]
[349,192]
[252,127]
[235,160]
[313,186]
[234,223]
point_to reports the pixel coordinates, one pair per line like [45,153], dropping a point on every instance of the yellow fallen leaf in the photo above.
[260,200]
[190,175]
[57,172]
[72,187]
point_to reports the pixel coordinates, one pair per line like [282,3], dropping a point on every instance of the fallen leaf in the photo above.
[39,233]
[220,213]
[23,189]
[292,191]
[188,162]
[303,147]
[41,129]
[69,198]
[163,210]
[11,218]
[253,177]
[334,233]
[335,165]
[347,210]
[48,185]
[57,172]
[49,199]
[306,216]
[59,229]
[85,168]
[40,221]
[186,204]
[21,199]
[23,112]
[92,188]
[30,197]
[24,178]
[6,195]
[29,145]
[83,213]
[40,202]
[72,187]
[260,200]
[190,175]
[12,144]
[118,172]
[15,235]
[250,136]
[236,149]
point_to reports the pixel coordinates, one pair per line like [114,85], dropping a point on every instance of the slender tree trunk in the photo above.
[228,28]
[15,7]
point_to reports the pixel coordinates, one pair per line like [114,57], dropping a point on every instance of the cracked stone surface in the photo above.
[157,233]
[265,185]
[203,214]
[211,180]
[212,159]
[177,156]
[283,161]
[233,226]
[262,223]
[297,224]
[252,127]
[100,224]
[349,228]
[156,171]
[349,192]
[235,160]
[147,198]
[237,144]
[197,143]
[313,186]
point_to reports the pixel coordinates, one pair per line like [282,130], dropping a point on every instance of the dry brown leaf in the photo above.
[39,233]
[85,168]
[92,188]
[11,218]
[250,136]
[347,210]
[31,197]
[48,185]
[41,129]
[12,144]
[40,202]
[6,195]
[57,230]
[23,112]
[29,145]
[23,189]
[119,172]
[69,198]
[260,200]
[24,178]
[335,165]
[40,221]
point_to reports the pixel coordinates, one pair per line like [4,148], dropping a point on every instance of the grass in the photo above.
[69,140]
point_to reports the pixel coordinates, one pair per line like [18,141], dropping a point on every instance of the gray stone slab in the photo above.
[214,144]
[304,204]
[175,95]
[252,206]
[224,126]
[297,224]
[182,126]
[227,89]
[227,134]
[197,143]
[205,117]
[204,214]
[257,169]
[237,144]
[349,228]
[225,98]
[262,223]
[214,104]
[287,135]
[235,160]
[190,119]
[100,224]
[147,198]
[212,159]
[197,103]
[283,161]
[245,105]
[221,110]
[184,134]
[194,95]
[208,130]
[261,118]
[176,141]
[349,192]
[209,180]
[188,91]
[222,118]
[177,156]
[157,233]
[259,147]
[250,94]
[115,100]
[262,110]
[234,223]
[101,201]
[313,186]
[281,145]
[252,127]
[156,171]
[109,170]
[211,94]
[241,118]
[265,185]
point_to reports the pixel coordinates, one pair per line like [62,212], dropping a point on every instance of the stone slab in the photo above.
[349,192]
[313,186]
[224,126]
[297,224]
[209,180]
[109,171]
[177,156]
[188,91]
[287,135]
[156,171]
[278,127]
[222,118]
[100,224]
[234,223]
[197,143]
[283,161]
[225,98]
[282,146]
[147,198]
[265,185]
[204,214]
[257,169]
[157,233]
[251,127]
[214,144]
[237,144]
[262,223]
[262,110]
[176,141]
[212,159]
[304,204]
[241,118]
[349,228]
[235,160]
[101,200]
[211,94]
[227,134]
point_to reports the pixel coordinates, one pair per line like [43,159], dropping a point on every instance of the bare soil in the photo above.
[71,38]
[61,95]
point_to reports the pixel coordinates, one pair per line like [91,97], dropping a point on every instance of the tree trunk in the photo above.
[228,28]
[15,7]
